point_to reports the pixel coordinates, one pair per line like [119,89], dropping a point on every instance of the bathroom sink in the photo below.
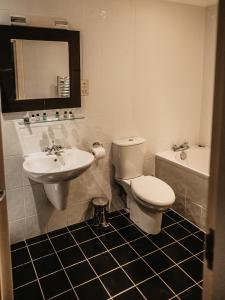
[55,168]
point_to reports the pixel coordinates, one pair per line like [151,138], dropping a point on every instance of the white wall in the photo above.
[144,61]
[208,75]
[169,70]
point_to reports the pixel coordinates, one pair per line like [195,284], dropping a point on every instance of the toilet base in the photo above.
[148,220]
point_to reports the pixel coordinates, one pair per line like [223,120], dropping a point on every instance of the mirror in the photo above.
[39,68]
[45,77]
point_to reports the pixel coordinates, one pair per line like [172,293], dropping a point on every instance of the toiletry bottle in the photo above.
[26,118]
[37,117]
[44,117]
[32,119]
[57,115]
[70,115]
[65,115]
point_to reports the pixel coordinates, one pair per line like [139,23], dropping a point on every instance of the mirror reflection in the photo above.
[41,69]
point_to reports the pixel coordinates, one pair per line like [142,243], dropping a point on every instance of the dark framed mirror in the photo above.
[39,68]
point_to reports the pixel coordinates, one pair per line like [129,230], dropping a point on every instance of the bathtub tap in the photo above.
[182,147]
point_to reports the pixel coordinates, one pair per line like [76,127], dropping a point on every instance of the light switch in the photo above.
[84,87]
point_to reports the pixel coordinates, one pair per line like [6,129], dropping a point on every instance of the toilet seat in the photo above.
[152,191]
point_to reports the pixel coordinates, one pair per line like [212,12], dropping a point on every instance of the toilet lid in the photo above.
[153,190]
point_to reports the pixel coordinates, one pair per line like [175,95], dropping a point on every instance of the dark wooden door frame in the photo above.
[214,280]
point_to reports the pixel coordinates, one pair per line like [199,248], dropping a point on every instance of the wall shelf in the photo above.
[21,122]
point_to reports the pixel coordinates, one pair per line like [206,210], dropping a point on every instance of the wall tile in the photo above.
[13,171]
[17,231]
[15,204]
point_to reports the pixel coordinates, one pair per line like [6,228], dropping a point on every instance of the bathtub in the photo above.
[188,174]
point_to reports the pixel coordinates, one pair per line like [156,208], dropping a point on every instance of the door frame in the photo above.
[214,279]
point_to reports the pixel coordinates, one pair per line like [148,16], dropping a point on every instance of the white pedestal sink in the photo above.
[55,171]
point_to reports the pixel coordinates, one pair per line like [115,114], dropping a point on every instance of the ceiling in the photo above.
[203,3]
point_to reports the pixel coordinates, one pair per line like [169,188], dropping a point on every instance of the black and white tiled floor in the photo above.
[78,262]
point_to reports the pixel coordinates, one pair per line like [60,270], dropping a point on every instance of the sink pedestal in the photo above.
[57,193]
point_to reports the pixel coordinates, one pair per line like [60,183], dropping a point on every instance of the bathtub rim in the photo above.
[159,156]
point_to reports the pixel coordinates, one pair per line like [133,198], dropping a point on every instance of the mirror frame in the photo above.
[7,74]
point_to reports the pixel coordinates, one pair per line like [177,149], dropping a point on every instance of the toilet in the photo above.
[147,196]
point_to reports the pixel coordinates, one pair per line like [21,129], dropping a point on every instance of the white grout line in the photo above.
[170,259]
[134,285]
[25,284]
[35,271]
[61,294]
[91,267]
[120,266]
[63,268]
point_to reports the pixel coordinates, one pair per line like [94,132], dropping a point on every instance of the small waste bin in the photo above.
[100,212]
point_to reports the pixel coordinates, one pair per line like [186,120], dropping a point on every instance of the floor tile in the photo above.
[116,281]
[201,255]
[177,279]
[18,245]
[57,232]
[189,226]
[193,244]
[162,239]
[103,263]
[124,254]
[194,268]
[158,261]
[200,235]
[112,240]
[80,273]
[155,289]
[70,295]
[47,265]
[23,274]
[83,234]
[143,246]
[37,239]
[166,221]
[114,214]
[102,230]
[70,256]
[93,290]
[63,241]
[177,231]
[130,233]
[120,222]
[92,248]
[41,249]
[138,271]
[54,284]
[132,294]
[176,252]
[20,256]
[77,226]
[29,291]
[172,214]
[194,293]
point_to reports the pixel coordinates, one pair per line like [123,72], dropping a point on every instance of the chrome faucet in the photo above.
[54,149]
[182,147]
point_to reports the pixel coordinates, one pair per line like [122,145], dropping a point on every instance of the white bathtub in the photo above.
[197,160]
[189,179]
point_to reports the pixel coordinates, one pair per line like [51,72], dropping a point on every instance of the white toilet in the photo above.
[147,196]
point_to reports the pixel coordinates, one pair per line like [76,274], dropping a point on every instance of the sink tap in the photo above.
[54,149]
[182,147]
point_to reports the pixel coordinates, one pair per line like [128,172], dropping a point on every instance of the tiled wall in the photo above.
[138,56]
[191,191]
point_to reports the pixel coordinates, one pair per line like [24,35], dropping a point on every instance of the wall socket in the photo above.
[84,87]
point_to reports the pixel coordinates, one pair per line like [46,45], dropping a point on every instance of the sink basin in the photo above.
[67,165]
[55,171]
